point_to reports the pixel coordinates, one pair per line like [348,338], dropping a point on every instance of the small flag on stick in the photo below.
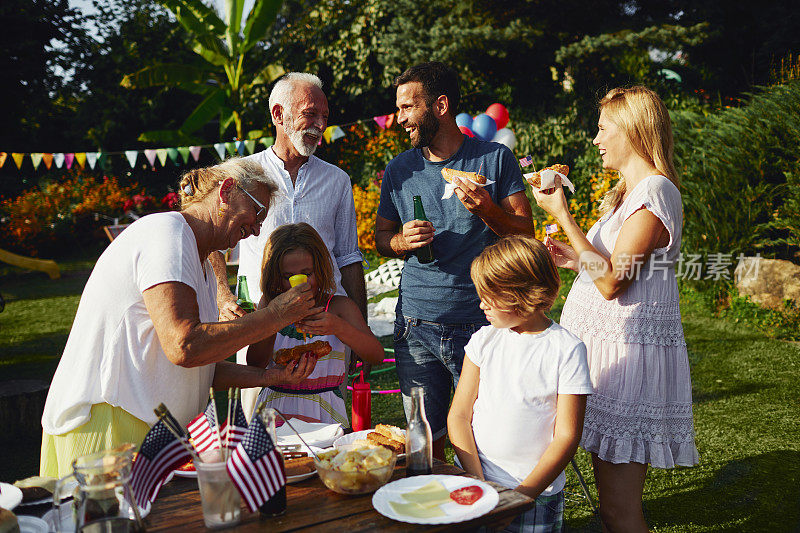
[550,228]
[525,161]
[256,467]
[203,430]
[161,453]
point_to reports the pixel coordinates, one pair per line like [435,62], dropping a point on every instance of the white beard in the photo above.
[296,137]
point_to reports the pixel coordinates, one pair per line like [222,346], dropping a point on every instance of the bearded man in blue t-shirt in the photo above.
[438,308]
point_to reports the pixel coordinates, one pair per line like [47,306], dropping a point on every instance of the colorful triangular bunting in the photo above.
[220,148]
[150,154]
[58,159]
[80,157]
[91,158]
[195,151]
[267,141]
[184,151]
[250,145]
[240,147]
[47,158]
[68,159]
[36,158]
[337,133]
[231,148]
[3,157]
[131,156]
[17,159]
[173,155]
[162,156]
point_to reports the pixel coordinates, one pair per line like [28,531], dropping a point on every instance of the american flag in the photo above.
[525,161]
[204,436]
[256,466]
[161,453]
[237,426]
[550,228]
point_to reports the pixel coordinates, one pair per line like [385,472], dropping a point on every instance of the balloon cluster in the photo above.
[488,126]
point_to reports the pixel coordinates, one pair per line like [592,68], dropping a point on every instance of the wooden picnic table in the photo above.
[310,505]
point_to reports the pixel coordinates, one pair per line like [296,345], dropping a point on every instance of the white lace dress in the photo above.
[641,409]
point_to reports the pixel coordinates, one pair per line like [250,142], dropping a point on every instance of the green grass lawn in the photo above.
[745,406]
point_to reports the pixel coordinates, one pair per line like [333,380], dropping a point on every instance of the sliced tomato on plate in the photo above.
[467,495]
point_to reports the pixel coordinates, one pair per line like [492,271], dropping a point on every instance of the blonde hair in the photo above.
[197,184]
[517,272]
[288,238]
[644,119]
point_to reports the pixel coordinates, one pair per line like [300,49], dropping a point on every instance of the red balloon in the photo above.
[466,131]
[499,113]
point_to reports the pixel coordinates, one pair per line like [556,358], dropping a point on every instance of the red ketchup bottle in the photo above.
[361,418]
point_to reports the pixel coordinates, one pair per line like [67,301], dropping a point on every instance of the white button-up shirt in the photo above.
[321,196]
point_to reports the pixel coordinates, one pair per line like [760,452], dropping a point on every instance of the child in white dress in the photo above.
[517,413]
[298,249]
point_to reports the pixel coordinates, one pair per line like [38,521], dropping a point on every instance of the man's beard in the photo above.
[426,130]
[296,137]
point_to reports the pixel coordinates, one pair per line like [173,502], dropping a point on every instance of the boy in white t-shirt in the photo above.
[517,413]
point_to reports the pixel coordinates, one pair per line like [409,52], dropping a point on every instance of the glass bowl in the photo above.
[359,481]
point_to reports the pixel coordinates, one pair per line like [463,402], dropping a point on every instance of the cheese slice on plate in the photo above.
[416,510]
[430,495]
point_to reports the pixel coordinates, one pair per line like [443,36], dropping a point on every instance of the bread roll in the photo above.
[386,442]
[448,174]
[536,179]
[287,355]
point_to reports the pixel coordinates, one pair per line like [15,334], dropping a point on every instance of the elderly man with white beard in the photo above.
[311,191]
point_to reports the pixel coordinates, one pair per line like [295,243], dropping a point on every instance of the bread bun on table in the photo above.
[8,521]
[287,355]
[390,437]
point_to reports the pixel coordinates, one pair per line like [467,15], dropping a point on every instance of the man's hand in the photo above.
[416,234]
[474,197]
[292,373]
[228,308]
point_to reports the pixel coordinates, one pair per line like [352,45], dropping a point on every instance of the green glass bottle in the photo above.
[243,295]
[424,254]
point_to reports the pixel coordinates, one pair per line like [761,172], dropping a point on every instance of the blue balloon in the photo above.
[463,119]
[484,127]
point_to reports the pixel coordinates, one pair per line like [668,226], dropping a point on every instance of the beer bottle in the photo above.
[424,254]
[243,295]
[419,441]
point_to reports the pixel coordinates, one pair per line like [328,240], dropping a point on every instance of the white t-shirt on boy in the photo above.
[521,376]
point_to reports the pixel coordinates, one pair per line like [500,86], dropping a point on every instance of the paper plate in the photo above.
[10,496]
[31,524]
[350,438]
[314,433]
[453,512]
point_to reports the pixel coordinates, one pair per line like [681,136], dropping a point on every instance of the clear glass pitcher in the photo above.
[103,499]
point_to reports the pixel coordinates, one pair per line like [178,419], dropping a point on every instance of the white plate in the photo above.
[67,491]
[10,496]
[314,433]
[454,512]
[350,438]
[31,524]
[191,474]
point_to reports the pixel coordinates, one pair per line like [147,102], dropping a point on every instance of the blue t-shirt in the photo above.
[442,291]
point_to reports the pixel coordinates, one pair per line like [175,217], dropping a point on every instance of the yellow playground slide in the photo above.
[44,265]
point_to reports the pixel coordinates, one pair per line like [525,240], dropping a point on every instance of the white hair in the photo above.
[282,92]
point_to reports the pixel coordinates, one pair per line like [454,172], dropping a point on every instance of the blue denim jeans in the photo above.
[430,355]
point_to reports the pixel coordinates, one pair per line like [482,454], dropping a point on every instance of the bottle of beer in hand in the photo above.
[243,295]
[424,254]
[419,441]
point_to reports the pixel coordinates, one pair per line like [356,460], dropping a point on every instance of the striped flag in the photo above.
[237,426]
[202,429]
[161,452]
[550,228]
[525,161]
[256,466]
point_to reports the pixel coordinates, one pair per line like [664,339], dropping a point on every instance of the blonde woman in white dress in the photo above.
[624,307]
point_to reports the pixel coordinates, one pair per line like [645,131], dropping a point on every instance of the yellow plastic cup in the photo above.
[297,279]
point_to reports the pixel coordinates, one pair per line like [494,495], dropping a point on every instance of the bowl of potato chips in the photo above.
[355,469]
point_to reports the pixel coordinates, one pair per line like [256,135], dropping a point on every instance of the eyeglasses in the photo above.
[262,209]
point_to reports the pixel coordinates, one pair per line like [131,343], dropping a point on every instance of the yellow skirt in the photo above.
[107,427]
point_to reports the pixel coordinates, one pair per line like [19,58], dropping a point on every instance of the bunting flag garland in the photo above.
[150,154]
[220,148]
[131,156]
[179,154]
[91,158]
[162,156]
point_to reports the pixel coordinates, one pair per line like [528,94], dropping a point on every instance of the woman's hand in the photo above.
[294,304]
[292,373]
[563,254]
[324,323]
[553,201]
